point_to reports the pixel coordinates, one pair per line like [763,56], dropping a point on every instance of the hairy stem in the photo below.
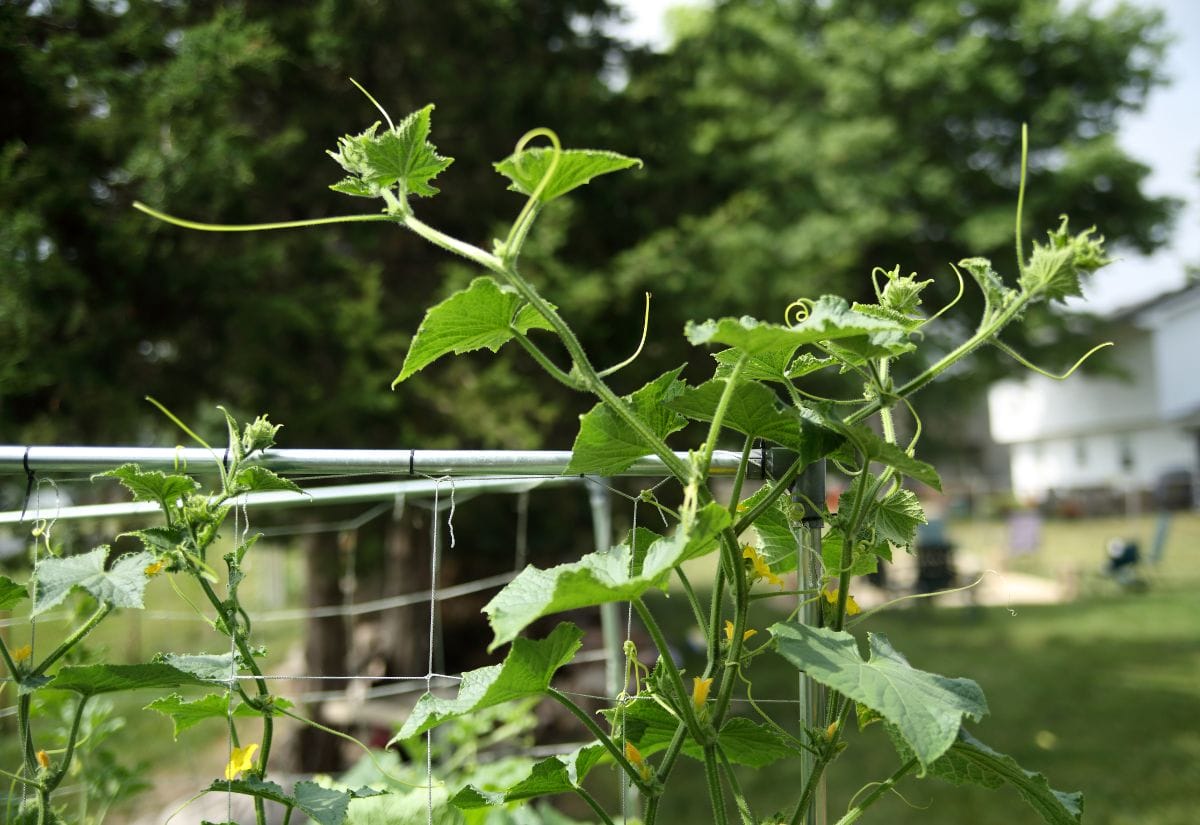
[712,777]
[54,782]
[74,639]
[683,696]
[634,775]
[664,770]
[593,804]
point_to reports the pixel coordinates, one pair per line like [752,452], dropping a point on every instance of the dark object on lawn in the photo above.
[1124,556]
[935,558]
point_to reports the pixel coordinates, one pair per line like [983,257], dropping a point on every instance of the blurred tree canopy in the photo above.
[790,146]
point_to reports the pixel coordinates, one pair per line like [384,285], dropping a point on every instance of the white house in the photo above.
[1127,435]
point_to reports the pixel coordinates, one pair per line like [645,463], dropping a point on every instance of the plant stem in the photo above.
[54,782]
[713,778]
[593,804]
[741,602]
[268,723]
[739,477]
[664,651]
[634,775]
[664,770]
[544,361]
[8,660]
[735,788]
[450,244]
[697,613]
[714,428]
[74,639]
[883,787]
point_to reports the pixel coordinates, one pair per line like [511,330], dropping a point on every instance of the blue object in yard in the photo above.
[935,558]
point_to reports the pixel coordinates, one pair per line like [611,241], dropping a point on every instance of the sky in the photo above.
[1165,136]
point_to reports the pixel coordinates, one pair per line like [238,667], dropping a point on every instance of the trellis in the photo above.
[421,474]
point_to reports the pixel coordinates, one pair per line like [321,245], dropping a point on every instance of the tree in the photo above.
[793,145]
[223,112]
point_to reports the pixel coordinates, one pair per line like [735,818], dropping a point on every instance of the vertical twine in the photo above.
[434,564]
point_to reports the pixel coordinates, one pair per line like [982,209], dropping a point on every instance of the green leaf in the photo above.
[185,714]
[599,577]
[755,410]
[897,516]
[830,318]
[11,593]
[926,708]
[857,351]
[525,671]
[401,156]
[255,479]
[91,680]
[651,728]
[1055,270]
[995,294]
[863,443]
[208,667]
[606,445]
[575,168]
[970,762]
[404,809]
[481,316]
[324,806]
[160,539]
[777,543]
[561,773]
[152,485]
[771,365]
[121,586]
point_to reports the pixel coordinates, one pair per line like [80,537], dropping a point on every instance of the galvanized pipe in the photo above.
[55,459]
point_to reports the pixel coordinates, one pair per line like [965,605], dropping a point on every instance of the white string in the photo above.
[42,533]
[325,611]
[435,541]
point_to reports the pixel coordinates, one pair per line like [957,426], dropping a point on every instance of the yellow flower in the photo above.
[43,759]
[22,653]
[700,688]
[831,731]
[639,762]
[154,569]
[761,571]
[746,634]
[241,760]
[852,607]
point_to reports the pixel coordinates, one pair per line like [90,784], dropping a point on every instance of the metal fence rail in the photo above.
[67,459]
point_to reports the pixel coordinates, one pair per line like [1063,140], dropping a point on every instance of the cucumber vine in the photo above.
[757,393]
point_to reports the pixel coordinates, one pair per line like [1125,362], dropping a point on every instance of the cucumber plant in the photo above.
[757,391]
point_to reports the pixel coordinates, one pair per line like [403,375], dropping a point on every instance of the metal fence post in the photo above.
[808,495]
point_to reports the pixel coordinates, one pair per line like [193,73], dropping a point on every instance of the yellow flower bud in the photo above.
[700,689]
[22,653]
[43,759]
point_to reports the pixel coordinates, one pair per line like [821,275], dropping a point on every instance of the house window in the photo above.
[1125,451]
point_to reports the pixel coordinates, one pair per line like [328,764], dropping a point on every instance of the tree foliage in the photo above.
[806,140]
